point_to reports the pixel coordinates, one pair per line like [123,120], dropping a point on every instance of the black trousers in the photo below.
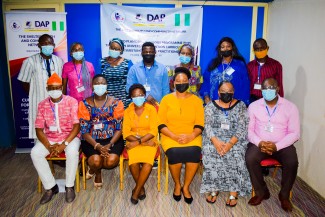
[287,157]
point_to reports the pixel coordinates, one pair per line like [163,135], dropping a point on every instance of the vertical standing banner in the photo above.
[23,31]
[167,28]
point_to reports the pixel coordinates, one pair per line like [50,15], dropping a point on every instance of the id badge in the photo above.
[98,126]
[80,88]
[257,86]
[225,125]
[230,70]
[269,128]
[147,87]
[53,128]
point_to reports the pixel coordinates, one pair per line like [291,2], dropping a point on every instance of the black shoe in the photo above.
[49,194]
[187,200]
[155,165]
[69,194]
[143,196]
[177,197]
[134,201]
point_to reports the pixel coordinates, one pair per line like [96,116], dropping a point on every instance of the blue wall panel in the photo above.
[260,22]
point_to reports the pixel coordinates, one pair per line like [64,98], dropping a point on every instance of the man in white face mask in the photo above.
[57,127]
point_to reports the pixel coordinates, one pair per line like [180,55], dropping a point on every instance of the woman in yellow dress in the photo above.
[181,121]
[140,129]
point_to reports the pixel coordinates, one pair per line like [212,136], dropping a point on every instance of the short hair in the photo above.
[148,44]
[74,44]
[119,41]
[136,86]
[225,82]
[180,70]
[99,76]
[270,79]
[43,37]
[260,40]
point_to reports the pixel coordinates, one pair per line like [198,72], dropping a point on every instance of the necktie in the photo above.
[48,67]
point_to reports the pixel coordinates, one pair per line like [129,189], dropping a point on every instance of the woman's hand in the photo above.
[130,145]
[207,99]
[225,148]
[103,150]
[219,146]
[150,143]
[186,138]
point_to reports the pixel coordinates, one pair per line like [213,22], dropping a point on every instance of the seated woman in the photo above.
[224,147]
[140,128]
[100,121]
[181,121]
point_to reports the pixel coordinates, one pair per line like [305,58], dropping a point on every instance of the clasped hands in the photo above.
[222,147]
[132,144]
[184,138]
[56,149]
[267,147]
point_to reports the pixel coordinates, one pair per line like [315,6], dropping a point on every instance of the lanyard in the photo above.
[53,108]
[259,73]
[224,70]
[268,112]
[224,111]
[78,74]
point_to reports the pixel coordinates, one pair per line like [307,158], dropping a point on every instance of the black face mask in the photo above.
[148,58]
[226,97]
[182,87]
[226,53]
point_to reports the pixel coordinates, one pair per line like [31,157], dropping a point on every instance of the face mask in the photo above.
[182,87]
[184,59]
[138,101]
[114,53]
[55,94]
[226,97]
[269,94]
[100,89]
[78,55]
[47,50]
[261,54]
[148,58]
[226,53]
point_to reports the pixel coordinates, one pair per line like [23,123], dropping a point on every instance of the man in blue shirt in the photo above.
[151,74]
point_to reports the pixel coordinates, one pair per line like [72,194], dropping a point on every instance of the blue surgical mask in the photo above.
[47,50]
[184,59]
[138,101]
[100,89]
[269,94]
[114,53]
[78,55]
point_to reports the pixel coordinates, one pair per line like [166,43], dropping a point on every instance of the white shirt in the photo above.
[33,71]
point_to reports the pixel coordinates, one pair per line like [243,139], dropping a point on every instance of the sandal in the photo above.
[88,175]
[212,195]
[231,197]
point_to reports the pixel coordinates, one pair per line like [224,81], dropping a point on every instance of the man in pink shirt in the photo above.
[273,129]
[57,127]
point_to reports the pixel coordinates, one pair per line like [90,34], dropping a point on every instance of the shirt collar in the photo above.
[142,63]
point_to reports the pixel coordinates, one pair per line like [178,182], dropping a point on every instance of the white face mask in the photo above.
[100,89]
[55,94]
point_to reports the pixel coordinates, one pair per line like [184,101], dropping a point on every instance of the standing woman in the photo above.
[224,147]
[186,58]
[140,129]
[101,118]
[115,69]
[181,122]
[77,74]
[229,65]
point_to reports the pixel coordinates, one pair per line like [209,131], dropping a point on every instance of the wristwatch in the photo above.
[66,143]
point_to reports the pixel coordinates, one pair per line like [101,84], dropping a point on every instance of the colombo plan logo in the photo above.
[118,17]
[15,25]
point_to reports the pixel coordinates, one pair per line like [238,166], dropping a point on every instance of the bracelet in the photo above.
[96,145]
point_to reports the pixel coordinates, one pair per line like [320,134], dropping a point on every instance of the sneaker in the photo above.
[155,165]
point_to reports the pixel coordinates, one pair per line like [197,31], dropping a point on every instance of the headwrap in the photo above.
[54,80]
[119,41]
[187,46]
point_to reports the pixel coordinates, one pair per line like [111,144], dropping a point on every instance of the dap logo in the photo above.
[15,25]
[118,17]
[155,17]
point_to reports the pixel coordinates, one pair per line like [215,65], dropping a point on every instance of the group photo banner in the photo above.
[167,28]
[23,31]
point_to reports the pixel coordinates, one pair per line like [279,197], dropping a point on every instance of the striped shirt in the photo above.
[270,69]
[116,78]
[33,71]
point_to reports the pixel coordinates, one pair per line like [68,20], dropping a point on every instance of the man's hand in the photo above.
[57,149]
[267,147]
[151,100]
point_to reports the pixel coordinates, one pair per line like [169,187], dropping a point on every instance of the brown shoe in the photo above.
[69,194]
[286,204]
[49,194]
[256,200]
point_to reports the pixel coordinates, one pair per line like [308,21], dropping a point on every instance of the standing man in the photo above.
[34,73]
[272,130]
[57,127]
[151,74]
[261,68]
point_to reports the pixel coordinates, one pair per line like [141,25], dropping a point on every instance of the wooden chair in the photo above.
[124,156]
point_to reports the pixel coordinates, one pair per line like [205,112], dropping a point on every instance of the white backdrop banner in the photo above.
[167,28]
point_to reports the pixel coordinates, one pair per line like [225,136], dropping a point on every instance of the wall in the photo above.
[296,36]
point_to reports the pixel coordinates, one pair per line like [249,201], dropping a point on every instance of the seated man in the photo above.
[57,127]
[273,129]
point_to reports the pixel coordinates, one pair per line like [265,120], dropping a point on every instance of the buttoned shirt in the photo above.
[284,122]
[57,119]
[156,78]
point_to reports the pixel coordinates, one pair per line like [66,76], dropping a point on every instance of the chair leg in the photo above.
[77,181]
[39,185]
[83,164]
[158,176]
[253,192]
[121,172]
[52,167]
[166,171]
